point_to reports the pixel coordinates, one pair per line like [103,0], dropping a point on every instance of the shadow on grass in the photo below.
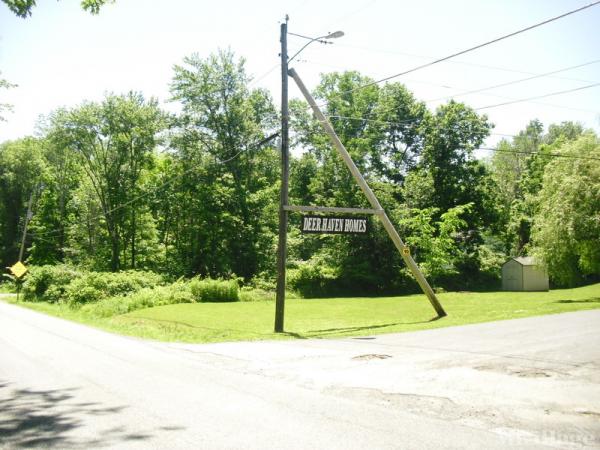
[586,300]
[327,331]
[45,418]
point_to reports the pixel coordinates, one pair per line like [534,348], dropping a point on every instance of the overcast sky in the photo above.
[62,55]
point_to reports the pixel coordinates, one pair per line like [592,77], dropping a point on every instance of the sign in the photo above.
[18,270]
[406,251]
[334,225]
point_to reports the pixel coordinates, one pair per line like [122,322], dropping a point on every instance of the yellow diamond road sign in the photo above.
[18,269]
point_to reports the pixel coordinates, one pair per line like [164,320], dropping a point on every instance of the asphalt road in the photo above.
[528,383]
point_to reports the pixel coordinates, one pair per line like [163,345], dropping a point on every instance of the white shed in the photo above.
[523,274]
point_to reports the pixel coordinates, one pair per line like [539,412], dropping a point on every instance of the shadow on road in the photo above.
[45,418]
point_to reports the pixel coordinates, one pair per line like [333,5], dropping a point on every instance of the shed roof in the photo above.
[526,260]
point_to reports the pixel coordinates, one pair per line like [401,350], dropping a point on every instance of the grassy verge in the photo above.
[320,318]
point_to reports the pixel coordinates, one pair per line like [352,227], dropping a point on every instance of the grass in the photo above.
[334,317]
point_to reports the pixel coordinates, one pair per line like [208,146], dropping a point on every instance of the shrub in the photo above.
[312,278]
[94,286]
[250,294]
[48,282]
[209,290]
[178,292]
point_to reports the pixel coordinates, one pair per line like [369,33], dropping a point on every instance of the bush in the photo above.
[94,286]
[209,290]
[48,283]
[178,292]
[312,278]
[250,294]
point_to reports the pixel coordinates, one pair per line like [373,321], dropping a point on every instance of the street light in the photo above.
[285,167]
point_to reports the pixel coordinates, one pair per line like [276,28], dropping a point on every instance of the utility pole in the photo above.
[285,167]
[27,219]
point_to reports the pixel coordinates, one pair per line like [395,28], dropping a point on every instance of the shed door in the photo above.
[513,277]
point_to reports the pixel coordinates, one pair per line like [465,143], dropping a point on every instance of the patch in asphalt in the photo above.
[519,371]
[370,356]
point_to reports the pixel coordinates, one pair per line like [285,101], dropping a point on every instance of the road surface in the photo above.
[528,383]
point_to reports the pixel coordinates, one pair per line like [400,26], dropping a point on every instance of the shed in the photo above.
[523,274]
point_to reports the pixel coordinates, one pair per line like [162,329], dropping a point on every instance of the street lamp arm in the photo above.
[306,45]
[320,39]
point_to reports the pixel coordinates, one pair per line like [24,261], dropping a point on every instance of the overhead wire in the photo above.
[399,122]
[567,91]
[508,83]
[476,47]
[466,91]
[552,155]
[460,62]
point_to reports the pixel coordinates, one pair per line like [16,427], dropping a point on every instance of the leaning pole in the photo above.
[389,227]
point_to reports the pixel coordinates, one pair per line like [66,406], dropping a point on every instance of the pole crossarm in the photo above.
[333,209]
[389,227]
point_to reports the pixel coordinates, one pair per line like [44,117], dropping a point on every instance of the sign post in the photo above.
[18,270]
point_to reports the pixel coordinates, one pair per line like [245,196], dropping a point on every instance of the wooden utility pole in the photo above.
[27,219]
[285,167]
[389,227]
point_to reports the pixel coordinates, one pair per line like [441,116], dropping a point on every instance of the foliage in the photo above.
[48,283]
[208,290]
[23,8]
[312,278]
[223,213]
[251,294]
[566,231]
[148,297]
[94,286]
[22,166]
[113,142]
[5,106]
[119,184]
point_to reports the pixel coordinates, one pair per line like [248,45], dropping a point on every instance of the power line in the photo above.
[165,184]
[552,155]
[466,91]
[508,83]
[462,52]
[465,63]
[264,75]
[399,122]
[539,96]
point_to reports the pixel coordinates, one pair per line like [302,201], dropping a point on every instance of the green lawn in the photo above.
[321,318]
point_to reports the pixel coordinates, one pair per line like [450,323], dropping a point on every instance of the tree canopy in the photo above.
[120,184]
[24,8]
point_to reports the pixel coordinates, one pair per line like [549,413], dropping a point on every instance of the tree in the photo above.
[23,8]
[113,141]
[566,226]
[518,169]
[21,169]
[451,135]
[225,210]
[5,106]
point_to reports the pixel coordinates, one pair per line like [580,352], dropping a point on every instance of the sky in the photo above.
[62,55]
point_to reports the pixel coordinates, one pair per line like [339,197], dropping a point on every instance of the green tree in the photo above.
[114,141]
[566,229]
[225,210]
[21,168]
[4,84]
[518,169]
[452,133]
[23,8]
